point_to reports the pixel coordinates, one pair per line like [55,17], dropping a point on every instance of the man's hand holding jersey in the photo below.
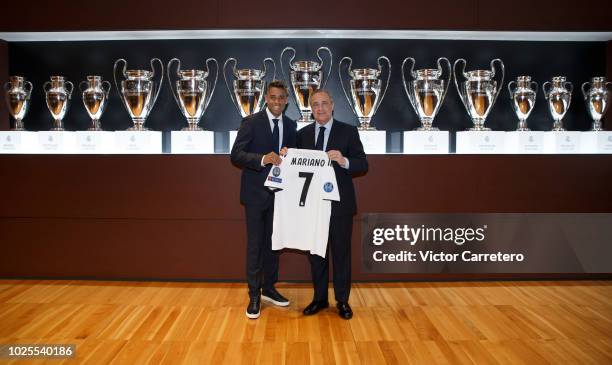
[336,155]
[272,158]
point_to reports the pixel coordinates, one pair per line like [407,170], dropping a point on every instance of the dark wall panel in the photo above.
[384,14]
[132,249]
[4,73]
[74,15]
[545,15]
[67,15]
[178,217]
[130,187]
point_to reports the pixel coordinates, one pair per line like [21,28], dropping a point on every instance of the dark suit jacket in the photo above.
[253,141]
[344,138]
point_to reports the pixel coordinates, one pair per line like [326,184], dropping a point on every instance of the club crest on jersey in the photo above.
[328,187]
[276,171]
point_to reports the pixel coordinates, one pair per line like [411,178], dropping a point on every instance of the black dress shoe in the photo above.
[315,306]
[344,310]
[254,305]
[274,297]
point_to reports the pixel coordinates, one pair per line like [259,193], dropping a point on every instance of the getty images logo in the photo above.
[414,235]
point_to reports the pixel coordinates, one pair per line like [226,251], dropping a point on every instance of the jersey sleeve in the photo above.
[274,181]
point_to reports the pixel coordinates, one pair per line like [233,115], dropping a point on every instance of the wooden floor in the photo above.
[394,323]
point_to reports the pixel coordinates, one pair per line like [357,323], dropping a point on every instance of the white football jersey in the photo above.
[302,206]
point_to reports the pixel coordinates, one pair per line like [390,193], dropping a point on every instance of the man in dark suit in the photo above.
[344,148]
[260,139]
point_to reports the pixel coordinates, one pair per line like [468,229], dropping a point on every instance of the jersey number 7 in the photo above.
[308,177]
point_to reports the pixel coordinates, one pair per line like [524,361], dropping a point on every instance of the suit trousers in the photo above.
[261,261]
[339,245]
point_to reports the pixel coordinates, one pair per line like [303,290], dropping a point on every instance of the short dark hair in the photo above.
[280,84]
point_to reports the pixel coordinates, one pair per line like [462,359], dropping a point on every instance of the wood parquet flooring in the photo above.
[524,322]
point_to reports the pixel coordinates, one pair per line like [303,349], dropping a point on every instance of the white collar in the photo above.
[327,125]
[271,116]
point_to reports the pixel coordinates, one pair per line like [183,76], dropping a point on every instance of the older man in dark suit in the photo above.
[344,148]
[260,139]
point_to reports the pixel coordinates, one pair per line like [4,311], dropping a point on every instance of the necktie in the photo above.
[275,136]
[320,139]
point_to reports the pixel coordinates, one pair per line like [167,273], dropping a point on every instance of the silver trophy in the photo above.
[523,98]
[17,93]
[367,91]
[479,91]
[249,87]
[597,98]
[138,91]
[95,96]
[191,92]
[306,77]
[58,97]
[558,93]
[426,90]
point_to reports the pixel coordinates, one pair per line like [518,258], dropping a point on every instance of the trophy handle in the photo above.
[607,84]
[584,92]
[262,101]
[342,81]
[68,83]
[108,87]
[408,86]
[168,75]
[161,77]
[81,86]
[450,75]
[7,86]
[285,77]
[121,60]
[460,88]
[29,90]
[229,88]
[503,74]
[290,60]
[265,67]
[545,89]
[331,61]
[510,91]
[122,71]
[45,88]
[212,90]
[534,86]
[387,83]
[569,87]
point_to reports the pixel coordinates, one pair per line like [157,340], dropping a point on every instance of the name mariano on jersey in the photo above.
[305,185]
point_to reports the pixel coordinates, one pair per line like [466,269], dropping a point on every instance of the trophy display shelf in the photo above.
[599,142]
[18,142]
[374,142]
[426,142]
[138,142]
[52,142]
[525,142]
[232,139]
[192,142]
[480,142]
[563,142]
[94,142]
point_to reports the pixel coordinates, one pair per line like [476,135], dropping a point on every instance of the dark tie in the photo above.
[275,135]
[320,139]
